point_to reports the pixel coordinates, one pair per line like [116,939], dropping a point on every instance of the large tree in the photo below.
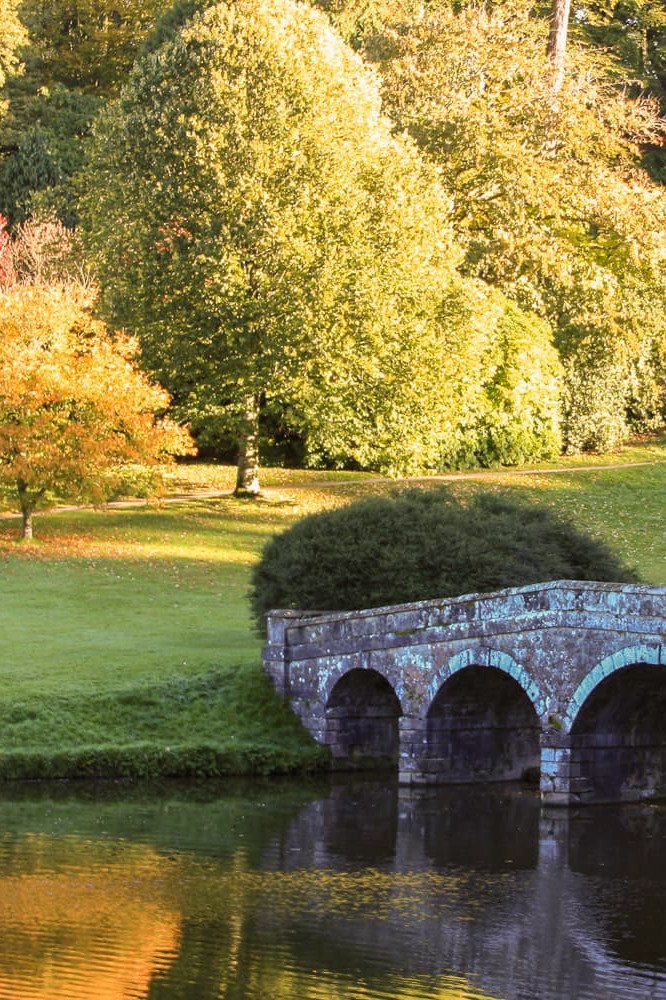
[254,220]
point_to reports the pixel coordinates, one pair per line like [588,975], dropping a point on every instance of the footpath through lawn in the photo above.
[126,646]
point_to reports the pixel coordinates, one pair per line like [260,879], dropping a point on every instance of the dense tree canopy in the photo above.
[627,38]
[75,55]
[551,203]
[254,220]
[533,221]
[86,45]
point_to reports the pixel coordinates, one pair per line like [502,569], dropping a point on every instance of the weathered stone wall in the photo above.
[553,644]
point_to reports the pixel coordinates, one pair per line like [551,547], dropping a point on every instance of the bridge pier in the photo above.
[413,744]
[560,780]
[559,784]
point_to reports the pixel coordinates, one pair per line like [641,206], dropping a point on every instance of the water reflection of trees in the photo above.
[102,921]
[364,890]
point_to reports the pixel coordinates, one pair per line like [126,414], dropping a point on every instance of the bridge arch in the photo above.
[616,723]
[653,653]
[482,723]
[362,720]
[485,656]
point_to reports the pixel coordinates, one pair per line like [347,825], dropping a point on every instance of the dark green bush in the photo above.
[413,545]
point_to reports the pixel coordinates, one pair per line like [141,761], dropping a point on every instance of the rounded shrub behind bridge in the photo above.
[415,545]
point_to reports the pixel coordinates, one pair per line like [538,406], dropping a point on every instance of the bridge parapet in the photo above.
[543,649]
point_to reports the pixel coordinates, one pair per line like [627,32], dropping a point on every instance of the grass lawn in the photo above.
[126,646]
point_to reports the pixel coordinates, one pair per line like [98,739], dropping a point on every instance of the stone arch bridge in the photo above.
[565,680]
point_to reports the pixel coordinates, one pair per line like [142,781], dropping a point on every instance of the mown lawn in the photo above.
[126,645]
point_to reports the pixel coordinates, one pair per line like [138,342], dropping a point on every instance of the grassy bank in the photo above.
[126,646]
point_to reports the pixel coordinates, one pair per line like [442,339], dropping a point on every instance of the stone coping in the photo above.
[572,596]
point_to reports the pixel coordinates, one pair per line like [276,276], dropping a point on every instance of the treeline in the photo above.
[387,243]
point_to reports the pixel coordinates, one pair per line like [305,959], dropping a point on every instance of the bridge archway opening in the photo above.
[618,738]
[362,721]
[482,726]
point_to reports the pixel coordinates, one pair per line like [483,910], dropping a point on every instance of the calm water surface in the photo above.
[311,892]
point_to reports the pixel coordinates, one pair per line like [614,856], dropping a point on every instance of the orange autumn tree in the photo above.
[74,406]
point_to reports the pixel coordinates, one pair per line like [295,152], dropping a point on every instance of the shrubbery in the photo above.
[514,416]
[414,545]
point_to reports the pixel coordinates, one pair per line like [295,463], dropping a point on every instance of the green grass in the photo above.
[126,646]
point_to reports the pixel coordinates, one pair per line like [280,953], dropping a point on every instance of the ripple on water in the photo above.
[276,895]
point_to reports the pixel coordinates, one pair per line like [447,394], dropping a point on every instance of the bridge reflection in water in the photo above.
[353,890]
[565,681]
[525,902]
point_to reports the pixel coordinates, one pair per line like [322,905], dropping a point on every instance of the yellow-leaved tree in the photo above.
[75,408]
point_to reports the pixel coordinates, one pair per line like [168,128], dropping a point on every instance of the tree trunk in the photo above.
[26,511]
[557,41]
[247,476]
[26,527]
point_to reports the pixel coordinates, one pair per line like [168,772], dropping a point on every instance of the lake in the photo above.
[317,890]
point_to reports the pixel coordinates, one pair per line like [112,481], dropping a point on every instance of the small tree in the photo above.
[74,407]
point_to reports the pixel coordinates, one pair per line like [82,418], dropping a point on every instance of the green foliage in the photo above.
[147,733]
[174,18]
[12,37]
[148,761]
[415,545]
[287,250]
[515,415]
[270,257]
[358,20]
[86,45]
[32,168]
[76,55]
[632,34]
[47,130]
[134,480]
[627,38]
[551,203]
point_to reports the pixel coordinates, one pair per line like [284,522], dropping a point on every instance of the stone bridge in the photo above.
[561,680]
